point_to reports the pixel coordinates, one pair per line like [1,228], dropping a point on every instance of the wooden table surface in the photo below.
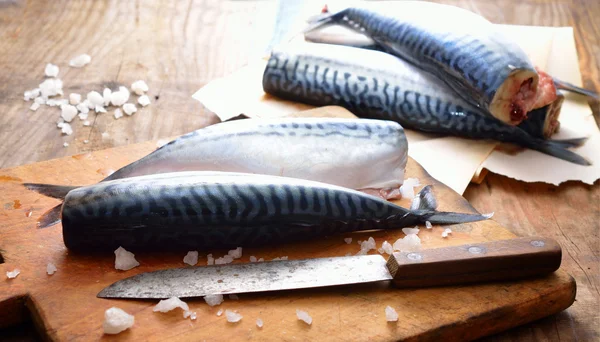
[177,47]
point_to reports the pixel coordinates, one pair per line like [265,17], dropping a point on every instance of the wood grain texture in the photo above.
[179,46]
[64,306]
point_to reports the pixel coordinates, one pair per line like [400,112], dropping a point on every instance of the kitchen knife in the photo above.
[477,262]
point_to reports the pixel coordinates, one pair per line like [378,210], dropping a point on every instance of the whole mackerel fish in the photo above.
[460,47]
[377,85]
[201,210]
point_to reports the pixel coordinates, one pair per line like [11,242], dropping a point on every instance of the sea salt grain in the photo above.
[210,260]
[129,108]
[259,322]
[106,96]
[74,99]
[80,61]
[68,112]
[118,113]
[34,106]
[191,258]
[66,129]
[233,317]
[51,70]
[166,305]
[190,314]
[95,98]
[348,240]
[407,189]
[408,231]
[66,144]
[214,300]
[139,87]
[117,320]
[125,260]
[304,316]
[86,123]
[120,97]
[226,259]
[50,268]
[409,243]
[144,100]
[387,248]
[100,109]
[51,87]
[366,246]
[220,312]
[390,314]
[446,232]
[253,258]
[13,274]
[428,225]
[235,253]
[40,100]
[83,107]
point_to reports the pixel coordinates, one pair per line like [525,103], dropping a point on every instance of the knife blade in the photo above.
[479,262]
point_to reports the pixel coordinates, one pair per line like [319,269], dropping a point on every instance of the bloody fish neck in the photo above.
[522,101]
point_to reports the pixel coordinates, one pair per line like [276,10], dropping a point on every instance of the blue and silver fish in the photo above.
[377,85]
[201,210]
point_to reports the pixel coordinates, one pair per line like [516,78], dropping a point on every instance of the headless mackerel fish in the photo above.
[377,85]
[460,47]
[368,155]
[199,210]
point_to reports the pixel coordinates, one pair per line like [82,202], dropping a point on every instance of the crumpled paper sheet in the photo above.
[452,160]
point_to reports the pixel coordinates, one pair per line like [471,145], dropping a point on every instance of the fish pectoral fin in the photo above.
[575,89]
[427,199]
[50,217]
[50,190]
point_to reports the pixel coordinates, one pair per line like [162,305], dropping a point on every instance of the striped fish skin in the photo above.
[212,210]
[330,150]
[460,47]
[377,85]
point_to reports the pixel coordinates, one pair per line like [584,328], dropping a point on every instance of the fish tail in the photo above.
[50,190]
[562,85]
[441,217]
[558,149]
[566,143]
[323,19]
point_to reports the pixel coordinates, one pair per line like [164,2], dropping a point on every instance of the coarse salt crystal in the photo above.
[387,248]
[407,189]
[50,268]
[226,259]
[13,274]
[83,107]
[100,109]
[68,112]
[390,314]
[118,113]
[80,61]
[51,70]
[139,87]
[233,317]
[191,258]
[120,97]
[348,240]
[446,232]
[210,260]
[190,314]
[166,305]
[253,258]
[428,225]
[235,253]
[220,312]
[144,100]
[95,98]
[86,123]
[106,96]
[129,108]
[117,320]
[51,87]
[408,231]
[66,144]
[74,99]
[125,260]
[259,322]
[366,246]
[409,243]
[213,300]
[193,316]
[66,129]
[40,100]
[304,316]
[34,106]
[234,297]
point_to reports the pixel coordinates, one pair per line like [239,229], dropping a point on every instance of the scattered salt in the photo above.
[408,231]
[259,322]
[304,316]
[13,274]
[118,113]
[235,253]
[125,260]
[234,297]
[253,258]
[74,99]
[366,246]
[106,96]
[68,112]
[166,305]
[428,225]
[95,98]
[120,97]
[387,248]
[139,87]
[446,232]
[210,260]
[129,108]
[51,70]
[34,106]
[226,259]
[280,258]
[66,144]
[50,268]
[40,100]
[409,243]
[86,123]
[66,129]
[191,258]
[144,100]
[220,312]
[390,314]
[30,94]
[100,109]
[83,107]
[190,314]
[348,240]
[117,320]
[80,61]
[233,317]
[86,141]
[213,300]
[407,189]
[51,87]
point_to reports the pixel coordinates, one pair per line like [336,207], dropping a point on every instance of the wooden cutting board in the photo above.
[64,306]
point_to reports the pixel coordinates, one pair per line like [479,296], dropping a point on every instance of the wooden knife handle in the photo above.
[478,262]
